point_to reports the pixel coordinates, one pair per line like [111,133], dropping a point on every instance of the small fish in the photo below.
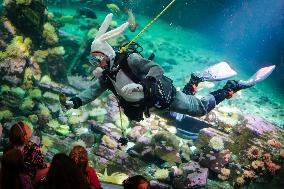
[113,8]
[87,12]
[132,21]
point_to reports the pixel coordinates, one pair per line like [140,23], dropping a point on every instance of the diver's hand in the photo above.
[132,87]
[98,72]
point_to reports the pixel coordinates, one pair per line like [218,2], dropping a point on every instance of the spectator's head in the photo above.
[136,182]
[80,156]
[12,167]
[64,173]
[20,134]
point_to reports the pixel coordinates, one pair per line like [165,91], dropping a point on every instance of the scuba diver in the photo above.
[140,85]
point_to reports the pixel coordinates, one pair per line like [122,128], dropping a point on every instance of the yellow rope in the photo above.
[123,49]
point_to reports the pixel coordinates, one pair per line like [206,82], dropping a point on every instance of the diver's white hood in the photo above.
[99,44]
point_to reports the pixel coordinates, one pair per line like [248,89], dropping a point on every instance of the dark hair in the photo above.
[64,173]
[12,167]
[134,182]
[80,155]
[17,134]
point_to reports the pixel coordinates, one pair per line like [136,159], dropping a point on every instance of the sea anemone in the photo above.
[225,173]
[248,174]
[216,143]
[240,181]
[254,152]
[274,143]
[257,164]
[161,174]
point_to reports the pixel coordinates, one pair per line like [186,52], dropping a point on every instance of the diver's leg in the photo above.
[191,87]
[231,87]
[191,105]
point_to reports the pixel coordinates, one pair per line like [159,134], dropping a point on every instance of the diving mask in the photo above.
[95,60]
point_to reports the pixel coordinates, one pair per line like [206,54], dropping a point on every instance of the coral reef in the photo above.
[116,178]
[49,34]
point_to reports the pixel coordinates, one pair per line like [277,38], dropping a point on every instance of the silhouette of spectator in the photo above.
[80,156]
[19,138]
[12,172]
[136,182]
[64,173]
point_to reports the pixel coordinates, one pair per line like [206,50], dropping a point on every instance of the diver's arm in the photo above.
[89,94]
[144,67]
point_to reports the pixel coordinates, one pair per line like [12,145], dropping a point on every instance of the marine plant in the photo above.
[18,92]
[44,111]
[116,177]
[56,50]
[45,79]
[40,55]
[110,143]
[53,123]
[18,48]
[46,142]
[27,104]
[216,143]
[35,94]
[28,82]
[6,115]
[49,34]
[9,26]
[92,33]
[23,2]
[5,88]
[33,118]
[161,174]
[63,130]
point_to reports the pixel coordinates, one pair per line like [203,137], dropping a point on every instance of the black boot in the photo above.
[231,87]
[191,87]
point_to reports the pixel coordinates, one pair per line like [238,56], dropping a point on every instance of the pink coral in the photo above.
[272,167]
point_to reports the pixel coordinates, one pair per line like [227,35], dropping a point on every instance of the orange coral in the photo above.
[274,143]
